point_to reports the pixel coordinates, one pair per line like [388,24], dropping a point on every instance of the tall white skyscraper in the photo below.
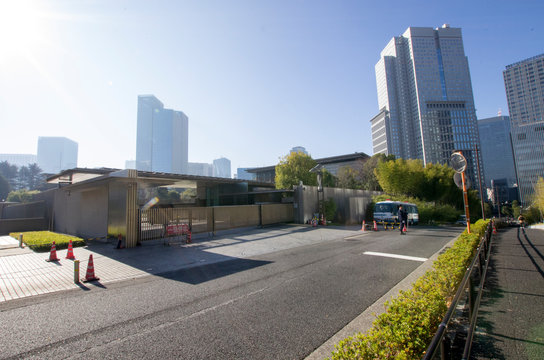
[425,98]
[221,168]
[524,83]
[162,142]
[56,154]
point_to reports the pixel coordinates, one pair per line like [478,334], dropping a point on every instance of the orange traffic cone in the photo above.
[404,229]
[363,228]
[375,226]
[90,271]
[53,253]
[70,255]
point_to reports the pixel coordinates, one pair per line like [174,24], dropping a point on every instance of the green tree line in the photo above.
[18,179]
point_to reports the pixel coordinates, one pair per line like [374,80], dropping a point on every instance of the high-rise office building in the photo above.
[200,169]
[524,84]
[221,168]
[296,149]
[496,147]
[425,98]
[162,142]
[56,154]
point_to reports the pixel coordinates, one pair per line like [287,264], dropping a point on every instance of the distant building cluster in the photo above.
[54,155]
[426,111]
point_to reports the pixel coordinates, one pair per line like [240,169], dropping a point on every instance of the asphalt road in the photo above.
[280,305]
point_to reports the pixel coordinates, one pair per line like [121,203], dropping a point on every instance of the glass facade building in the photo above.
[497,153]
[221,168]
[524,85]
[162,141]
[425,99]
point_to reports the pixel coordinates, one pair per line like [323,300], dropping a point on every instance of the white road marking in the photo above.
[404,257]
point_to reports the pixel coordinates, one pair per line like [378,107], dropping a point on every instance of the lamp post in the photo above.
[318,169]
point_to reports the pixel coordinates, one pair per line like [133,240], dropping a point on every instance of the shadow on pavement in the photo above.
[200,274]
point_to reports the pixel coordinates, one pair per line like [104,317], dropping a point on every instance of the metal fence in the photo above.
[155,222]
[441,345]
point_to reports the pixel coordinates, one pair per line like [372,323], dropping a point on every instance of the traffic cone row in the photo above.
[90,276]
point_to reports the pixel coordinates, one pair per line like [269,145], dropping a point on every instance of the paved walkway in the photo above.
[26,273]
[511,317]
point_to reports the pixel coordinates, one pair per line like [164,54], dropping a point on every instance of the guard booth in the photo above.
[140,206]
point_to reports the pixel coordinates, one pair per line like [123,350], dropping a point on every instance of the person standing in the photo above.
[402,216]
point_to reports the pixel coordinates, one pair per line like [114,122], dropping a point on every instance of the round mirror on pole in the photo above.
[458,162]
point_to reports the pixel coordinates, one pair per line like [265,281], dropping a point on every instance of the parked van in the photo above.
[387,211]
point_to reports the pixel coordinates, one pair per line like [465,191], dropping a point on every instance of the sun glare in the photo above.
[21,27]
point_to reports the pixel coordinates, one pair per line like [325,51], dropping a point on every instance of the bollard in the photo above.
[21,240]
[76,271]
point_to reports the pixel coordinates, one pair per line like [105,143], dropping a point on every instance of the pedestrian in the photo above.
[521,220]
[402,216]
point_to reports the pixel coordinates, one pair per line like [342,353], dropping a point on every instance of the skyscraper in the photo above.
[425,98]
[56,154]
[221,168]
[162,142]
[524,84]
[497,154]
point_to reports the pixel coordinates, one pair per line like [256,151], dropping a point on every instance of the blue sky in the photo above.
[255,78]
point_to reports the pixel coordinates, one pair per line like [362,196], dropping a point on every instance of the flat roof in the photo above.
[324,161]
[77,175]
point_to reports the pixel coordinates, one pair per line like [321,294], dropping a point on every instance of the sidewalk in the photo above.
[511,316]
[26,273]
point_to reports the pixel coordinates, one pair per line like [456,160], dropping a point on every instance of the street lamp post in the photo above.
[459,164]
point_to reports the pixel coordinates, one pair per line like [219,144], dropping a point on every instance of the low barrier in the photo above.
[155,223]
[441,345]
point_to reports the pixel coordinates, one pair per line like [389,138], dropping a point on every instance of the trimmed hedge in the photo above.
[406,328]
[41,241]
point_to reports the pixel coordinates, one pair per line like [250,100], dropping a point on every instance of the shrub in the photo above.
[410,321]
[329,207]
[41,241]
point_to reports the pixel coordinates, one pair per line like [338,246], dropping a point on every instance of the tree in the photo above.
[516,209]
[329,180]
[10,173]
[294,168]
[538,200]
[401,176]
[22,196]
[5,188]
[367,176]
[348,178]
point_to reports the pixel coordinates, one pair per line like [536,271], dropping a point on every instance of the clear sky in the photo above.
[255,77]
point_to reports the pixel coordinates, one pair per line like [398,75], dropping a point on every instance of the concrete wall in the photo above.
[350,204]
[277,213]
[34,209]
[81,213]
[20,225]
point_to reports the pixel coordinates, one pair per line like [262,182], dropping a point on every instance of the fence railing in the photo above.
[440,347]
[153,223]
